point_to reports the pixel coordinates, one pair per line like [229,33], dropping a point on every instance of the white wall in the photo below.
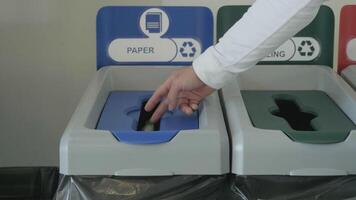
[47,57]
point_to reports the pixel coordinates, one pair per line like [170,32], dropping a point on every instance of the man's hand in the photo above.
[182,89]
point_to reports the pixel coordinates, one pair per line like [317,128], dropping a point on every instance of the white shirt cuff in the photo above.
[210,70]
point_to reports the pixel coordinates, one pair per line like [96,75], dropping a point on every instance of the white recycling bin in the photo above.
[349,74]
[270,151]
[109,133]
[292,115]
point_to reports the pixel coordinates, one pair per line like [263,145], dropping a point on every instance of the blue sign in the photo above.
[152,35]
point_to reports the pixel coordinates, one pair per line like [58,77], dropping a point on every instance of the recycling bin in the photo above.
[347,44]
[291,115]
[349,74]
[110,134]
[284,125]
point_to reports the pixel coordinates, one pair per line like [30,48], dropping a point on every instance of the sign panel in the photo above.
[313,45]
[152,35]
[347,44]
[296,49]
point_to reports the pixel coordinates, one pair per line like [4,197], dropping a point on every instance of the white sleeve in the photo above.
[263,28]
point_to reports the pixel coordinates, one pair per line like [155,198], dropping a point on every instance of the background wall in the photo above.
[47,57]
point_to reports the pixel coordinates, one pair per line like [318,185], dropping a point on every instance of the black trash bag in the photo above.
[228,187]
[141,188]
[30,183]
[294,187]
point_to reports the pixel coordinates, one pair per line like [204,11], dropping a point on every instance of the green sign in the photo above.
[314,45]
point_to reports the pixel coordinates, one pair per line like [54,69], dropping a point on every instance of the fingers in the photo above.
[194,106]
[157,95]
[185,108]
[179,85]
[162,108]
[193,97]
[183,104]
[190,95]
[188,106]
[172,96]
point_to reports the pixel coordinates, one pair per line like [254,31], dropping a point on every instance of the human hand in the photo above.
[182,89]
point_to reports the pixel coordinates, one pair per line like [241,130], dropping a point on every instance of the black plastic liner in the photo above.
[134,188]
[229,187]
[31,183]
[45,183]
[294,187]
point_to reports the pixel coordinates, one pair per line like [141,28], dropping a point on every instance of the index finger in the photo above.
[161,92]
[162,108]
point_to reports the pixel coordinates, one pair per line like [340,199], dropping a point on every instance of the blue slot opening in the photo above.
[144,123]
[124,116]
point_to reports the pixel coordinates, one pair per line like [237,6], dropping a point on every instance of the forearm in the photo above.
[264,27]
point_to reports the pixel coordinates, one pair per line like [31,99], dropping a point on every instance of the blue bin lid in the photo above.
[121,112]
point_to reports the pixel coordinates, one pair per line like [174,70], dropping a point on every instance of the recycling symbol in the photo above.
[306,48]
[187,49]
